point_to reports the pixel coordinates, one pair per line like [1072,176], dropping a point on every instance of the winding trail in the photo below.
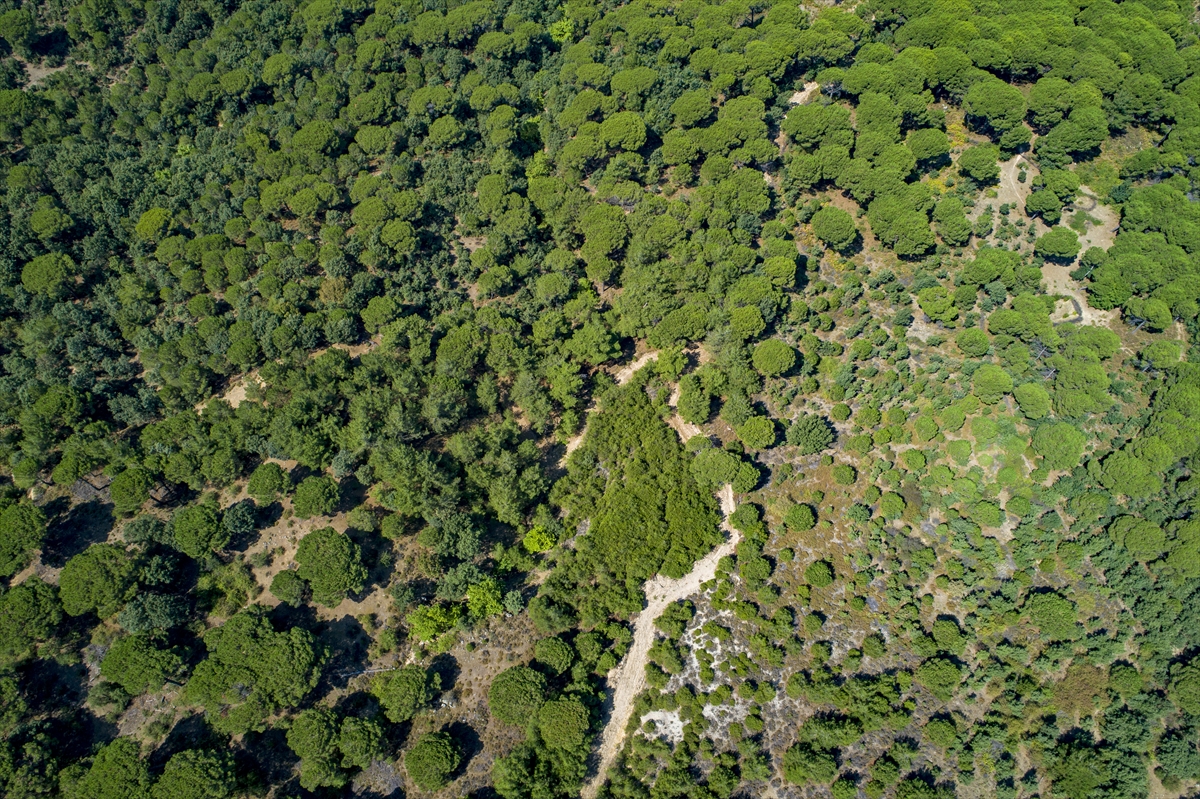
[622,376]
[628,679]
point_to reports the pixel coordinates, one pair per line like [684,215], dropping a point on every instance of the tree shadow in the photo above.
[352,494]
[242,541]
[486,792]
[855,247]
[51,686]
[347,642]
[397,793]
[468,741]
[269,515]
[377,556]
[190,732]
[58,691]
[554,460]
[54,43]
[276,760]
[446,666]
[74,529]
[359,704]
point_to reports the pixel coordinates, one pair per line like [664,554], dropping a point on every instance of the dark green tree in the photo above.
[432,760]
[331,564]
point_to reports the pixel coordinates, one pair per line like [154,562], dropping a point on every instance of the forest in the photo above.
[616,399]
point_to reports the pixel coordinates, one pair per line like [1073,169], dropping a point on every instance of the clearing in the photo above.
[1058,278]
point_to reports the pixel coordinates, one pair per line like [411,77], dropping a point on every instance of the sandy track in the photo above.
[811,90]
[628,679]
[1058,276]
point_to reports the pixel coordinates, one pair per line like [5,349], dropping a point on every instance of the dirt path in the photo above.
[686,430]
[628,679]
[622,376]
[1010,190]
[1058,276]
[625,373]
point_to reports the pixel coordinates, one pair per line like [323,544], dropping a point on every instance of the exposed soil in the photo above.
[1058,278]
[38,73]
[811,90]
[1010,190]
[628,680]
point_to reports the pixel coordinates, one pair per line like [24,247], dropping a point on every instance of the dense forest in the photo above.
[636,399]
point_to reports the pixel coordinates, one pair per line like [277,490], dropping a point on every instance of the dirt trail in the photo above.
[626,372]
[686,430]
[622,376]
[1010,190]
[1058,276]
[628,679]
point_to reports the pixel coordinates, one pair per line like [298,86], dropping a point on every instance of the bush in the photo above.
[516,694]
[331,564]
[289,587]
[810,433]
[773,357]
[555,654]
[940,675]
[803,763]
[432,760]
[757,432]
[564,723]
[315,496]
[404,692]
[22,528]
[198,530]
[800,517]
[973,342]
[267,483]
[1058,244]
[835,228]
[539,539]
[819,574]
